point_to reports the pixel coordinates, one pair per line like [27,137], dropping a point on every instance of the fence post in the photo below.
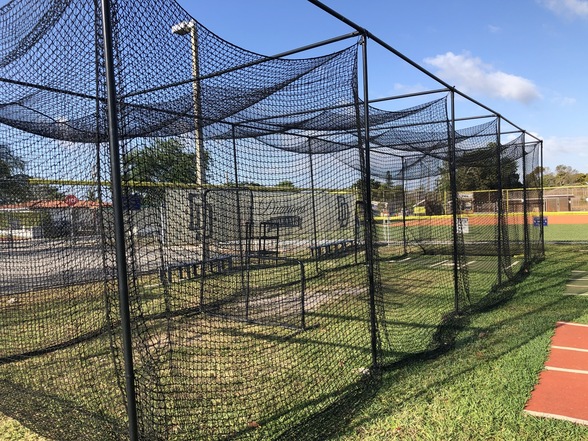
[117,203]
[526,236]
[404,239]
[499,205]
[369,218]
[313,201]
[541,228]
[454,206]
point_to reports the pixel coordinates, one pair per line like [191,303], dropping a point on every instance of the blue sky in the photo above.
[525,59]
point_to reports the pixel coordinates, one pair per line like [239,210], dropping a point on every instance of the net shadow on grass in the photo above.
[56,417]
[335,418]
[526,311]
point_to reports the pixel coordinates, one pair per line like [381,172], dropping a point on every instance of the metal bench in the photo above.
[193,270]
[332,248]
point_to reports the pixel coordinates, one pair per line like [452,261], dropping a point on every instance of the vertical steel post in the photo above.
[526,237]
[199,137]
[369,218]
[184,28]
[244,256]
[499,203]
[403,207]
[454,204]
[235,159]
[541,227]
[119,232]
[314,224]
[302,296]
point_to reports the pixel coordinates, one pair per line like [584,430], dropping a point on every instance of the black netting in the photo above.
[271,261]
[533,199]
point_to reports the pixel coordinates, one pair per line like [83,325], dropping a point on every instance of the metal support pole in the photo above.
[183,28]
[243,255]
[117,203]
[202,223]
[404,208]
[526,237]
[369,218]
[302,296]
[541,227]
[314,224]
[198,136]
[235,160]
[454,204]
[499,203]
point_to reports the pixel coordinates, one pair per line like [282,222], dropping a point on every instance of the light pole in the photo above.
[183,28]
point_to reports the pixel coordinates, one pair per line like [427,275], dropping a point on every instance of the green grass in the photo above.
[224,364]
[552,232]
[478,390]
[566,233]
[474,392]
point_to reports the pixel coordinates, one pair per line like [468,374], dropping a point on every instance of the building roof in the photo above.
[54,204]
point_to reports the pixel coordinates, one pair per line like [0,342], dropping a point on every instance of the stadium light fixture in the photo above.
[183,28]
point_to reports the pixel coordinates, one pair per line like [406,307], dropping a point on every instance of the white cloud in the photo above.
[563,101]
[494,29]
[577,145]
[572,8]
[572,151]
[470,75]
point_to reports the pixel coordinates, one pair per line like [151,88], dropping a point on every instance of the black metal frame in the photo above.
[363,135]
[119,227]
[457,250]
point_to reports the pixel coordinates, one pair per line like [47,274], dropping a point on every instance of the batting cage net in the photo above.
[202,242]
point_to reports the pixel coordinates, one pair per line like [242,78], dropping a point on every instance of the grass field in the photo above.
[474,392]
[222,373]
[478,390]
[566,233]
[561,227]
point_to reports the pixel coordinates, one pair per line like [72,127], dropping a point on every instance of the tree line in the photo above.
[15,185]
[169,161]
[563,175]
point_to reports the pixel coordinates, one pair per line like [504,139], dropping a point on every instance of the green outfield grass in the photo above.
[429,229]
[566,233]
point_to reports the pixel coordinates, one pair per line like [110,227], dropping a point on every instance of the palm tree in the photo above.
[11,168]
[9,162]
